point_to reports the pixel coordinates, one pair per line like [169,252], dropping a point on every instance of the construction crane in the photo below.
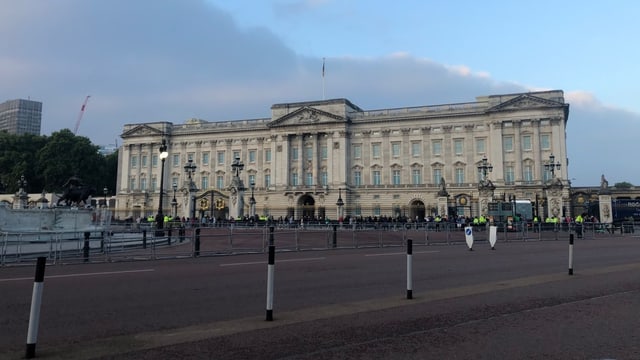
[84,105]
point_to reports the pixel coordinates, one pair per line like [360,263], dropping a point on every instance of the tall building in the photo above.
[21,116]
[333,159]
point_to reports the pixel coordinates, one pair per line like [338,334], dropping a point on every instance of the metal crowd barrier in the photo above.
[240,238]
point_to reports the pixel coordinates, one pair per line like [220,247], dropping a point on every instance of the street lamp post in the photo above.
[340,204]
[485,167]
[213,207]
[105,191]
[163,156]
[512,200]
[174,202]
[252,200]
[190,169]
[552,165]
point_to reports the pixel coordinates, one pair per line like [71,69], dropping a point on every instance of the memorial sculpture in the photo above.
[75,192]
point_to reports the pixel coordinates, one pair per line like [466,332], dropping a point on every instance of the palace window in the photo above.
[395,149]
[507,143]
[459,176]
[396,177]
[416,177]
[437,176]
[481,146]
[357,151]
[436,147]
[377,179]
[375,150]
[545,141]
[415,149]
[509,175]
[357,178]
[458,146]
[526,142]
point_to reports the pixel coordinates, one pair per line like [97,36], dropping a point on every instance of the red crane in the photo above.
[84,105]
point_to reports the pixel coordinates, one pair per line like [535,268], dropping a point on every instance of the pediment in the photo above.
[141,130]
[525,101]
[306,116]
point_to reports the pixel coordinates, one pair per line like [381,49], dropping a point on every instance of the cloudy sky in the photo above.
[171,60]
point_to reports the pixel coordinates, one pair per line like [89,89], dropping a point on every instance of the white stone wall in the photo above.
[340,125]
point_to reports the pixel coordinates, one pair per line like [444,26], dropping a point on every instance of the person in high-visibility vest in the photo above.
[579,220]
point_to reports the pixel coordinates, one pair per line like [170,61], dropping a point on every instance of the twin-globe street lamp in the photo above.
[174,202]
[190,169]
[163,156]
[252,200]
[485,167]
[552,165]
[340,204]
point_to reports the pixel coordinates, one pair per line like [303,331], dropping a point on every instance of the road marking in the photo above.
[404,253]
[78,275]
[279,261]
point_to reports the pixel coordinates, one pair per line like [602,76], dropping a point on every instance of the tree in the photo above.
[19,157]
[623,185]
[66,155]
[47,162]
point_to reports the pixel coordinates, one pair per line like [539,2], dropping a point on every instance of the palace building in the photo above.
[332,159]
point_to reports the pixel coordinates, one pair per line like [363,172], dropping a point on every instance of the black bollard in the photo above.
[144,239]
[335,236]
[86,248]
[196,251]
[570,254]
[271,229]
[36,300]
[169,236]
[409,269]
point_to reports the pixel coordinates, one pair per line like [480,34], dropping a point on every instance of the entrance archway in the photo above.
[417,210]
[306,207]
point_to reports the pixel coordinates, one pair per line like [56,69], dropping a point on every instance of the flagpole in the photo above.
[322,79]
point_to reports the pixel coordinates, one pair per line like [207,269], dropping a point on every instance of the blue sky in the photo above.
[171,60]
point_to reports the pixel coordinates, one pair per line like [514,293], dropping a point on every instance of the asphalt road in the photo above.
[517,302]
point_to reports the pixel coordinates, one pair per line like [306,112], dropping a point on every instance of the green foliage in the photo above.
[47,162]
[623,185]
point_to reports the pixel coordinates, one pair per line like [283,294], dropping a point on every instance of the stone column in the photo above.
[606,217]
[443,206]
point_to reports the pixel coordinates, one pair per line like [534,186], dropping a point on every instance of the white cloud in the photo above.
[179,60]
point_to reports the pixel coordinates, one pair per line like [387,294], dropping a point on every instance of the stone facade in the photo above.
[388,162]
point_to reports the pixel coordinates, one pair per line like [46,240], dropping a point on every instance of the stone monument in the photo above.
[604,200]
[236,190]
[443,199]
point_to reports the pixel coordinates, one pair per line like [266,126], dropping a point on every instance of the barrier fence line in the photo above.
[34,314]
[409,269]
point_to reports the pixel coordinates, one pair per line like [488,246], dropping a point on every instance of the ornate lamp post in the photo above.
[163,156]
[174,202]
[252,200]
[190,169]
[512,200]
[340,204]
[552,165]
[485,167]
